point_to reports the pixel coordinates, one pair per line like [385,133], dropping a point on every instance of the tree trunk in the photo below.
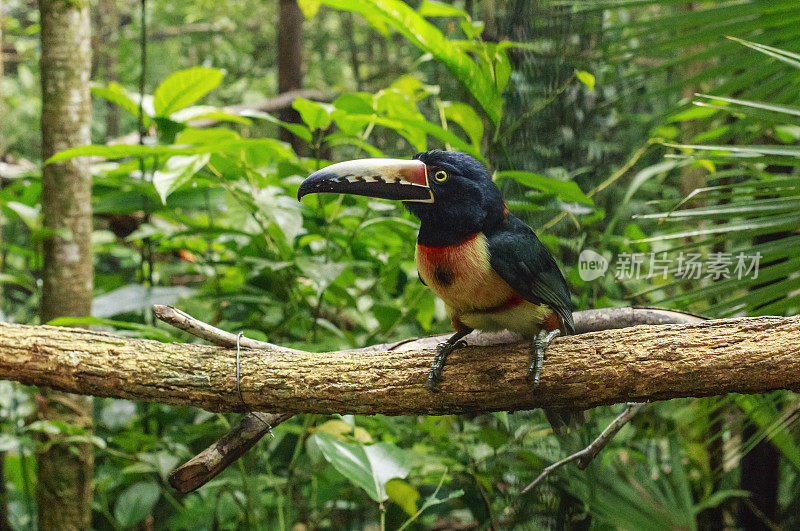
[2,140]
[65,471]
[693,176]
[2,144]
[3,492]
[745,355]
[107,59]
[2,154]
[759,475]
[4,525]
[290,62]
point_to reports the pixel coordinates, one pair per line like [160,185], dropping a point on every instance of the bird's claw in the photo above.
[540,344]
[443,349]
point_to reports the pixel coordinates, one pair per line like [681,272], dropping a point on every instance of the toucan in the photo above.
[487,265]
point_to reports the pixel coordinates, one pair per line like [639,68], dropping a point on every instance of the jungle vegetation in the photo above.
[638,128]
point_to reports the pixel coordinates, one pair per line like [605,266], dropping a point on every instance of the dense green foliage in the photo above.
[574,108]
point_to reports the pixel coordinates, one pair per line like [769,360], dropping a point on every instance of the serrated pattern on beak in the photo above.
[403,180]
[372,179]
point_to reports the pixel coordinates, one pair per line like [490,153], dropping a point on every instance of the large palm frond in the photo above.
[751,207]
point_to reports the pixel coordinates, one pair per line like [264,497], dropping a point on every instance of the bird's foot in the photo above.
[443,349]
[540,344]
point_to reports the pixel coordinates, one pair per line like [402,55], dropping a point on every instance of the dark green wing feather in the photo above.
[517,255]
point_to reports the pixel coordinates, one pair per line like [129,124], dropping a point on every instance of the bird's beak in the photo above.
[398,179]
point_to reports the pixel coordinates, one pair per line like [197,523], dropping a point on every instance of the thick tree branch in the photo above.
[207,464]
[748,355]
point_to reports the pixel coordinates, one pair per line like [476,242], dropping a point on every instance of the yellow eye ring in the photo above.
[440,176]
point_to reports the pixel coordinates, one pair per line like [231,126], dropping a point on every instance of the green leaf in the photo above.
[718,497]
[266,146]
[386,315]
[185,87]
[783,109]
[162,462]
[176,172]
[340,139]
[567,191]
[789,58]
[358,103]
[403,494]
[119,96]
[367,466]
[493,437]
[472,28]
[693,113]
[207,112]
[136,503]
[743,151]
[282,210]
[309,7]
[29,215]
[399,124]
[298,130]
[586,78]
[763,413]
[434,8]
[135,297]
[788,134]
[466,117]
[25,281]
[321,274]
[117,152]
[315,115]
[402,18]
[8,442]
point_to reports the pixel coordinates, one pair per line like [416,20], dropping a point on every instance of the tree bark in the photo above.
[746,355]
[290,61]
[65,472]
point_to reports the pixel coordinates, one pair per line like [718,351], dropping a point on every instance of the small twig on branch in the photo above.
[585,456]
[183,321]
[206,465]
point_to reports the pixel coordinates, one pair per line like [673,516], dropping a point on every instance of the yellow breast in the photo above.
[462,275]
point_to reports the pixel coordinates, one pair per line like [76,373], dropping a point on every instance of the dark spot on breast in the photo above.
[443,275]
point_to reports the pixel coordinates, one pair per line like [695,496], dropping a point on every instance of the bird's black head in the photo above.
[465,200]
[450,192]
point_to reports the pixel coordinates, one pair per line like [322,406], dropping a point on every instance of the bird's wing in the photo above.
[517,255]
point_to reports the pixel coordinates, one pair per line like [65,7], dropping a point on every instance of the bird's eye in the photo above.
[440,176]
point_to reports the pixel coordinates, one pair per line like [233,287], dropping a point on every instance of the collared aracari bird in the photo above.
[487,265]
